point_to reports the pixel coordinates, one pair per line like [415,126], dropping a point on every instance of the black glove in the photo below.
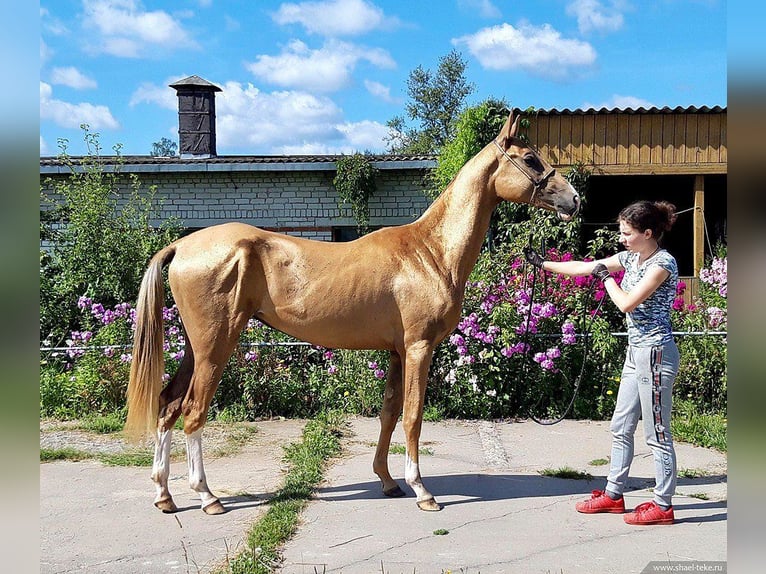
[533,257]
[600,272]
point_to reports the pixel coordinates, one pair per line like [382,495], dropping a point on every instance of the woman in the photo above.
[651,364]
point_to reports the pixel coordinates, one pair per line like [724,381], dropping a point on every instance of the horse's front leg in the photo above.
[392,408]
[416,364]
[197,480]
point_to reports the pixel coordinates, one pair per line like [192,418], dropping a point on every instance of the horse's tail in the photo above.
[148,364]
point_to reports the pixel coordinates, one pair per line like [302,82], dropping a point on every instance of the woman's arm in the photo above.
[580,268]
[628,301]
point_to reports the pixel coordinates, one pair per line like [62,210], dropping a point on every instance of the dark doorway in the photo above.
[607,195]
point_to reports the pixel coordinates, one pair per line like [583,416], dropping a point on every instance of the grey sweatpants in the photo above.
[646,391]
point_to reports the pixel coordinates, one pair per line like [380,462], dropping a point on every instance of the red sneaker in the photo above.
[649,513]
[600,502]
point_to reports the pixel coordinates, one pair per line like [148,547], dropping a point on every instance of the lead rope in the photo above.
[587,325]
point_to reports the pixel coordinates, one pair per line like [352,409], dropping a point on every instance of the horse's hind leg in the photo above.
[210,360]
[170,409]
[392,408]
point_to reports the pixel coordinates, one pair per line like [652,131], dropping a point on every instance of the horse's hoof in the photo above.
[166,505]
[394,492]
[214,508]
[429,505]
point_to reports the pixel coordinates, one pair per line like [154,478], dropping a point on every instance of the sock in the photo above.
[664,507]
[613,495]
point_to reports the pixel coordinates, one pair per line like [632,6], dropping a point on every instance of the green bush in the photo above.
[97,227]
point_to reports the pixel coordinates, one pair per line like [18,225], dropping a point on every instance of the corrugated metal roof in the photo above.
[653,110]
[150,164]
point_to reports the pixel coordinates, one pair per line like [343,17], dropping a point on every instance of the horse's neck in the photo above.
[457,221]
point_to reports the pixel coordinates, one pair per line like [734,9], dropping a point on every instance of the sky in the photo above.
[324,76]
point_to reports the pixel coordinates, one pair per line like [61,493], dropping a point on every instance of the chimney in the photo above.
[196,117]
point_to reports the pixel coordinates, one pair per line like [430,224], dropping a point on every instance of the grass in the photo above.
[599,462]
[566,472]
[692,473]
[700,429]
[401,449]
[307,461]
[52,454]
[105,424]
[136,458]
[699,495]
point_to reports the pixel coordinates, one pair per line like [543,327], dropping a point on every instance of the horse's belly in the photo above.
[341,331]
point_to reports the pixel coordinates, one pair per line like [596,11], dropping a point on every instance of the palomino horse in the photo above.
[398,289]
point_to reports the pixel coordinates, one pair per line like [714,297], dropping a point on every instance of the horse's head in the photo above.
[525,177]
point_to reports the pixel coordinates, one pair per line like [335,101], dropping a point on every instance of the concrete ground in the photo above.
[499,513]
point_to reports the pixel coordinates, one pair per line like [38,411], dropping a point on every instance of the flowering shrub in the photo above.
[514,353]
[702,378]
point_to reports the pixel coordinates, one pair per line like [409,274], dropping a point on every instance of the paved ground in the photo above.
[500,513]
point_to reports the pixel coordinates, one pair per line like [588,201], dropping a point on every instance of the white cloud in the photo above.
[537,50]
[68,115]
[621,102]
[248,118]
[45,52]
[162,95]
[44,150]
[72,77]
[593,16]
[52,25]
[484,8]
[252,121]
[127,30]
[327,69]
[364,135]
[380,91]
[334,17]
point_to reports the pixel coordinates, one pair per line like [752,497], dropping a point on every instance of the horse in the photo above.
[398,289]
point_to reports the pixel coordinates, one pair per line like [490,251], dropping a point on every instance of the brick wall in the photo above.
[302,203]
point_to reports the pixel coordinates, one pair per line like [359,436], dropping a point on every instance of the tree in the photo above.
[436,100]
[164,148]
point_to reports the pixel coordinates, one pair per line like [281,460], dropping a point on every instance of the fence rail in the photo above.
[304,344]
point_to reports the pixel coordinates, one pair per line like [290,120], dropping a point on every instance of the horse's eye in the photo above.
[531,160]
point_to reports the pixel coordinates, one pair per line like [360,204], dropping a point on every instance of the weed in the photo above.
[700,429]
[599,462]
[441,532]
[103,424]
[566,472]
[139,458]
[699,495]
[401,449]
[72,454]
[692,473]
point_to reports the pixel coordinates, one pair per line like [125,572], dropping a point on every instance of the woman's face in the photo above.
[633,239]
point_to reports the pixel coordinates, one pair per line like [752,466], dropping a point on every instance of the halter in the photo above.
[538,182]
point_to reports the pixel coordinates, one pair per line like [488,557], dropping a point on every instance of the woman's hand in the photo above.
[533,257]
[600,272]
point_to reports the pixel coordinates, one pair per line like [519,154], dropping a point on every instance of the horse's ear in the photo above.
[510,129]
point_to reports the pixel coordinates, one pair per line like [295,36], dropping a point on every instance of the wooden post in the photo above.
[699,224]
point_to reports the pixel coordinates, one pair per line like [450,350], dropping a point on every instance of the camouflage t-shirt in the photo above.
[649,323]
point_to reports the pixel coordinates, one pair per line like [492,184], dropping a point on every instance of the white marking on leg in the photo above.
[412,476]
[197,480]
[161,463]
